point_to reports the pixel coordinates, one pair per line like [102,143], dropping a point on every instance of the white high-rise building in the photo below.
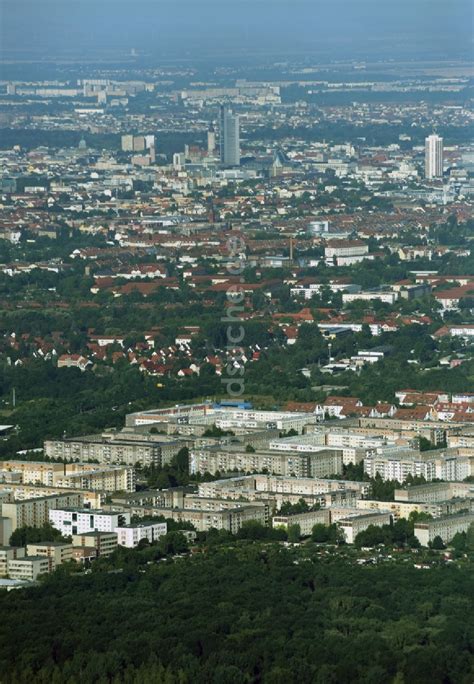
[211,141]
[229,138]
[434,156]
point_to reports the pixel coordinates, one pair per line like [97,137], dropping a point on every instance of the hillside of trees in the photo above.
[242,614]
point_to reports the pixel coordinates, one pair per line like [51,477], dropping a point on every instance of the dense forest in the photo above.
[254,612]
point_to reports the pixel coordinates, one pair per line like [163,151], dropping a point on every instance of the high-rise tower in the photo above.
[229,138]
[434,156]
[211,141]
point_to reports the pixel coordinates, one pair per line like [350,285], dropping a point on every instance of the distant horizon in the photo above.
[339,29]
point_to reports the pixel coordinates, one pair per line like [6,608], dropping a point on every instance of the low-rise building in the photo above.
[386,296]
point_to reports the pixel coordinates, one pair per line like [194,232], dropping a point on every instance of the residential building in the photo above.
[306,521]
[36,512]
[73,521]
[218,460]
[91,545]
[402,509]
[74,475]
[29,567]
[435,492]
[5,530]
[108,448]
[57,552]
[8,553]
[391,464]
[345,252]
[353,525]
[131,535]
[445,528]
[230,519]
[386,296]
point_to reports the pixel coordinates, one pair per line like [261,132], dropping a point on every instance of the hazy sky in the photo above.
[164,26]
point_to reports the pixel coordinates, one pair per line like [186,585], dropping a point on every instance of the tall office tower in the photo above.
[434,156]
[149,141]
[211,141]
[229,138]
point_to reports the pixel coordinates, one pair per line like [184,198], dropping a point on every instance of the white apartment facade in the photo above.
[131,535]
[70,521]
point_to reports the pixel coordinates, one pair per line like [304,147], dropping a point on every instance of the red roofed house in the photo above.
[341,407]
[73,361]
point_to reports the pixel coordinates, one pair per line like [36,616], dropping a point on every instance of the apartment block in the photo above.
[386,296]
[91,545]
[131,535]
[35,512]
[354,446]
[217,460]
[450,464]
[5,530]
[306,521]
[231,519]
[445,528]
[20,492]
[435,492]
[278,490]
[165,498]
[402,509]
[29,567]
[111,479]
[74,475]
[73,521]
[34,472]
[57,552]
[217,504]
[351,526]
[109,448]
[8,553]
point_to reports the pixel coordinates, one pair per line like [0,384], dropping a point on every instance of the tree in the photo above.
[437,544]
[320,533]
[331,534]
[458,542]
[294,533]
[32,535]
